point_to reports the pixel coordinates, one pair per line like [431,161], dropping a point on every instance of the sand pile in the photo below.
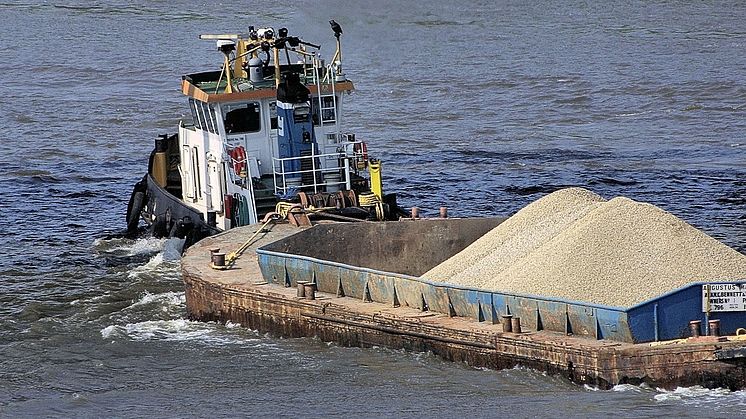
[573,245]
[520,234]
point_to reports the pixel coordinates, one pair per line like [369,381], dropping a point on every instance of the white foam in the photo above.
[628,388]
[166,299]
[700,396]
[154,261]
[156,264]
[175,330]
[128,247]
[146,245]
[107,331]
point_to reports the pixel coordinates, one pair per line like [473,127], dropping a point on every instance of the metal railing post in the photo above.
[313,166]
[348,184]
[334,103]
[318,95]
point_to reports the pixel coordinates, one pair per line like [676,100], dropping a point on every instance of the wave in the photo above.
[698,395]
[164,300]
[124,247]
[628,114]
[695,395]
[631,388]
[154,265]
[164,264]
[179,330]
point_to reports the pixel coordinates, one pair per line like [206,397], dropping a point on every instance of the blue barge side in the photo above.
[385,263]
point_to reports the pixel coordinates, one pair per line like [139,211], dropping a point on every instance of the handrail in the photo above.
[343,168]
[334,103]
[318,96]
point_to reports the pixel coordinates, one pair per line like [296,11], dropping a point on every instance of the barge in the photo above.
[330,255]
[311,282]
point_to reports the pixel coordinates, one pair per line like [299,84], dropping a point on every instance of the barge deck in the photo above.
[241,295]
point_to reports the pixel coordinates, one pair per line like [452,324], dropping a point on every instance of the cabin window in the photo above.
[203,115]
[243,118]
[195,113]
[209,124]
[273,115]
[213,119]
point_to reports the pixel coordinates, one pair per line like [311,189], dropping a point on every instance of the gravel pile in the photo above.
[519,235]
[617,253]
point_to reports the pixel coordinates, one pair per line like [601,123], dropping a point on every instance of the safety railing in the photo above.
[316,172]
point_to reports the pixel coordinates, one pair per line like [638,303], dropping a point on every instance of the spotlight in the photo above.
[226,46]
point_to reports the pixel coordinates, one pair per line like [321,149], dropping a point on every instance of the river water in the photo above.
[480,106]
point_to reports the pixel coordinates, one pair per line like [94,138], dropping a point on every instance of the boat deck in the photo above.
[241,295]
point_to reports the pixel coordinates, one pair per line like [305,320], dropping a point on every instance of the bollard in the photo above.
[516,324]
[694,328]
[714,327]
[507,324]
[415,213]
[218,259]
[214,250]
[443,212]
[302,289]
[310,291]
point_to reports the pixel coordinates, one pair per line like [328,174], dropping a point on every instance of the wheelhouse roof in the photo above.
[198,85]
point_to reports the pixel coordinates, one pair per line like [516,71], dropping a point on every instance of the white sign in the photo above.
[724,297]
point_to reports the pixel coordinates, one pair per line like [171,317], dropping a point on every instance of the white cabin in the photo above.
[230,168]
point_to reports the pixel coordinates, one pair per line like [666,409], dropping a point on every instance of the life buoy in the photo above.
[361,155]
[238,157]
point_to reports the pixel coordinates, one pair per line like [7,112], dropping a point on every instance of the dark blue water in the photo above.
[480,106]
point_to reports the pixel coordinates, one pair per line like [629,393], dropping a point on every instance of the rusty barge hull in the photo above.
[242,295]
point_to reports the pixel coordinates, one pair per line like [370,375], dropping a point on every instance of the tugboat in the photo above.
[265,140]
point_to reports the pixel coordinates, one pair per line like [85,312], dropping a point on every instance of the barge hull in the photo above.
[353,323]
[240,295]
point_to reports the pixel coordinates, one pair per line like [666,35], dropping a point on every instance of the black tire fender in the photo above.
[137,203]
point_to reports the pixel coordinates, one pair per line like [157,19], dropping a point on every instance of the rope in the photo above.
[284,208]
[230,259]
[372,200]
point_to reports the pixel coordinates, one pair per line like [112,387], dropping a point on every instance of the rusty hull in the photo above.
[241,295]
